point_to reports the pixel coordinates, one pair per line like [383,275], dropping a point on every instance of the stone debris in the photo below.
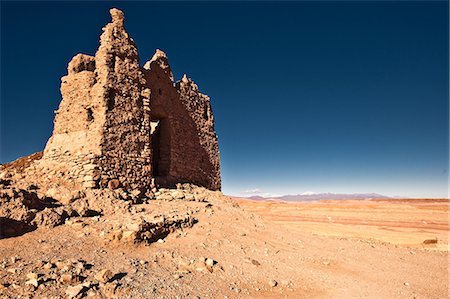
[104,276]
[210,262]
[34,282]
[73,291]
[121,133]
[72,277]
[23,209]
[66,278]
[32,275]
[197,265]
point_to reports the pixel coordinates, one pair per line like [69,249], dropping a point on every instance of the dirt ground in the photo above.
[406,222]
[338,249]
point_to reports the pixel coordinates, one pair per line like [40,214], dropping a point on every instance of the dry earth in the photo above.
[255,253]
[406,222]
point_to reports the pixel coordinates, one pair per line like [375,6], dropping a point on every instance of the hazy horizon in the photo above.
[343,97]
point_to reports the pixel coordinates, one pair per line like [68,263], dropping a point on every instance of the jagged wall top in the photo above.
[103,125]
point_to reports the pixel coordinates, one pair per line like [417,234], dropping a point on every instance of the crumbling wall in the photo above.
[199,110]
[77,134]
[120,125]
[125,145]
[187,127]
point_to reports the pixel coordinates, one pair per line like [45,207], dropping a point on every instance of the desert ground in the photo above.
[403,222]
[240,248]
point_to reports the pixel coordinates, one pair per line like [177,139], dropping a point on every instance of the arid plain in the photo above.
[403,222]
[256,249]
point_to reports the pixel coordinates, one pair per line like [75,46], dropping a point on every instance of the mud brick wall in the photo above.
[188,146]
[125,155]
[198,107]
[120,125]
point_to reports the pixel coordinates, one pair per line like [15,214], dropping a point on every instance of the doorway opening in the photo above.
[160,136]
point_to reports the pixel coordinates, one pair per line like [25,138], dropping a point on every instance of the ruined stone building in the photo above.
[123,125]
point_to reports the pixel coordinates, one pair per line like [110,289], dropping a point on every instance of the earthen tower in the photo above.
[122,125]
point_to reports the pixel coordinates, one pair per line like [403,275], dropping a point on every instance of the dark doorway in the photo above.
[161,148]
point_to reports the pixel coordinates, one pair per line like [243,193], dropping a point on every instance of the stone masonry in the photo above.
[122,125]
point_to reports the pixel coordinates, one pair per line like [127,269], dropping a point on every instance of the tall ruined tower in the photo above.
[120,125]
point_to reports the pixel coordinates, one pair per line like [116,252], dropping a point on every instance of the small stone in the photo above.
[200,266]
[189,197]
[272,283]
[210,262]
[66,278]
[113,184]
[60,265]
[406,284]
[136,193]
[81,206]
[79,265]
[104,276]
[200,197]
[129,236]
[52,192]
[178,195]
[32,275]
[255,262]
[161,241]
[165,197]
[73,291]
[33,282]
[430,241]
[14,259]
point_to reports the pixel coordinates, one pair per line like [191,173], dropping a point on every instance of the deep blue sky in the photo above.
[324,97]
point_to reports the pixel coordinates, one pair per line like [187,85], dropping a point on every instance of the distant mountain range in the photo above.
[310,196]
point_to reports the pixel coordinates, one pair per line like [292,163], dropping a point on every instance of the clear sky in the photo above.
[325,96]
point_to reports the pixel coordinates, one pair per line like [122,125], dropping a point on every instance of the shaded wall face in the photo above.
[193,158]
[198,108]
